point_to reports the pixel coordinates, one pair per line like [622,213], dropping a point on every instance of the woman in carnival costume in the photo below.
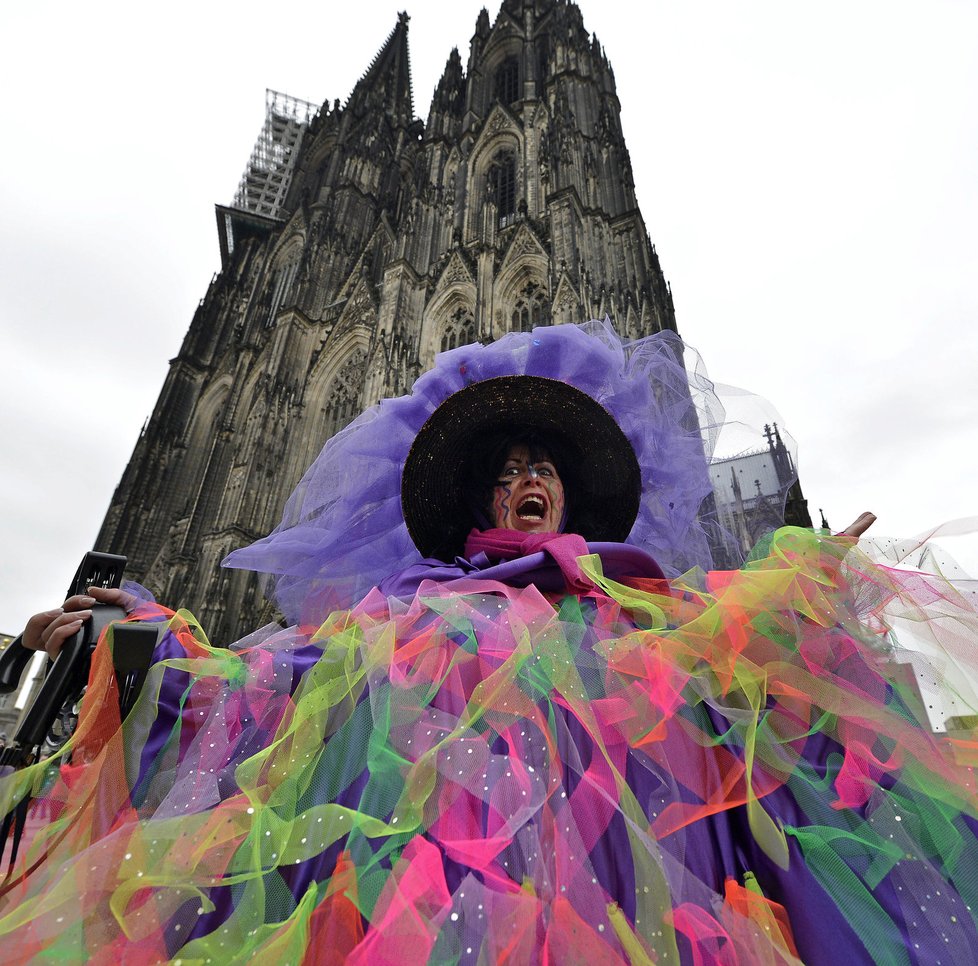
[515,717]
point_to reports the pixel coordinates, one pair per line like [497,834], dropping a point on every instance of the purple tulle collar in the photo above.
[343,532]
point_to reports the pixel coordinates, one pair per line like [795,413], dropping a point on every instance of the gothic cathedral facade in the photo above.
[362,242]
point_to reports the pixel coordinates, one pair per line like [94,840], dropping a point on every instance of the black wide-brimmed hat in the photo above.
[603,497]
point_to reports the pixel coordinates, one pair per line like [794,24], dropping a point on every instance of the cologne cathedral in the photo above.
[361,242]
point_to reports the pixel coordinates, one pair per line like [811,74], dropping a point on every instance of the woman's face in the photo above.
[528,496]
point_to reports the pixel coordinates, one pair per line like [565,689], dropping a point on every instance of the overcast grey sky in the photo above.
[806,172]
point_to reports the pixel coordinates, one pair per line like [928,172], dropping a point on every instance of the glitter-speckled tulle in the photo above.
[731,770]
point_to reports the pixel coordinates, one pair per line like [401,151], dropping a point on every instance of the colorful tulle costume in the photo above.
[722,767]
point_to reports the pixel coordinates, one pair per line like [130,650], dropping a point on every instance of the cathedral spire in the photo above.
[386,85]
[448,91]
[448,100]
[482,24]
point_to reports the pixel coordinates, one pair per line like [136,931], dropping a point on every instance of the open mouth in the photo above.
[531,508]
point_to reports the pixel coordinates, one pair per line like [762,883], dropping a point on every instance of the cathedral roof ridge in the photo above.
[749,451]
[508,22]
[518,7]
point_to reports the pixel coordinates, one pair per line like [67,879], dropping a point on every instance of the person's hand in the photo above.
[860,525]
[49,630]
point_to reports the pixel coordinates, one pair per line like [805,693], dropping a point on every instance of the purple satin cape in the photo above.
[546,560]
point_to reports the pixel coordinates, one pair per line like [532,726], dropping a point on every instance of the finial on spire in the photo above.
[403,18]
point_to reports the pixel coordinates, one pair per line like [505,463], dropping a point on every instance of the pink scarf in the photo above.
[498,544]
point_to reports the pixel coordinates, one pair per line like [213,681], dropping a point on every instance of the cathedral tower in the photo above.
[361,242]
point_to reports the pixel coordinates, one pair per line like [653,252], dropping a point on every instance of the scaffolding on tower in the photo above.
[266,179]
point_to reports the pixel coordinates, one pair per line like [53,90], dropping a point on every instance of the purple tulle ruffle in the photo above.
[343,531]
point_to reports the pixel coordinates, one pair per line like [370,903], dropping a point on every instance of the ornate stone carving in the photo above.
[566,301]
[524,243]
[455,271]
[500,120]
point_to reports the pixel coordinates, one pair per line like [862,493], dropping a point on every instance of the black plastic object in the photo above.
[12,663]
[68,674]
[132,655]
[66,677]
[95,570]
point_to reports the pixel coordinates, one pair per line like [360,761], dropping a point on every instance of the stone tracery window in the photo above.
[543,62]
[460,329]
[507,81]
[344,394]
[280,282]
[532,308]
[501,185]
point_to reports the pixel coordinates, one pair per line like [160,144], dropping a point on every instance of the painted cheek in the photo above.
[500,505]
[555,491]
